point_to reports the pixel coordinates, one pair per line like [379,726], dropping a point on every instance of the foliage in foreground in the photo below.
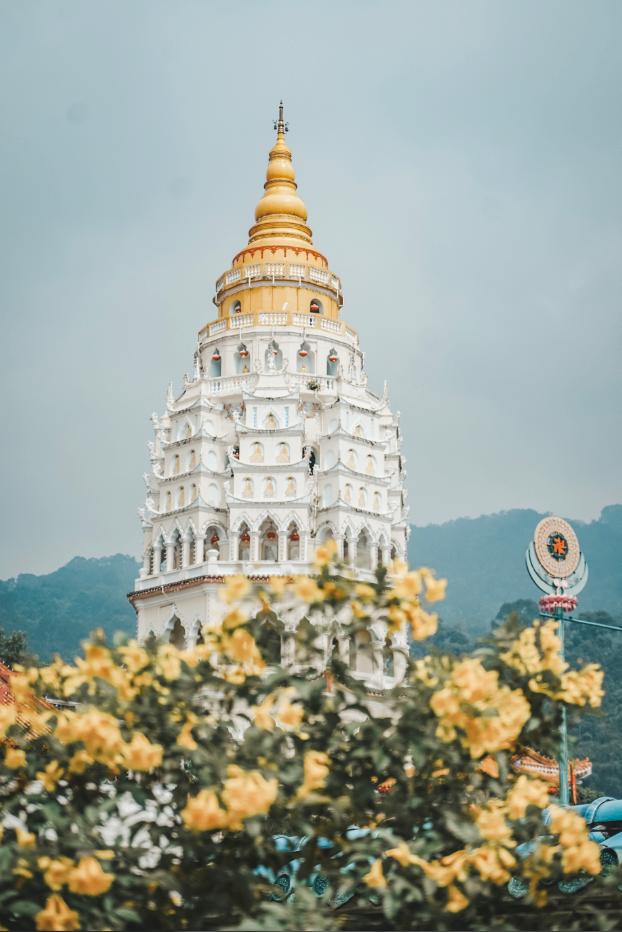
[158,800]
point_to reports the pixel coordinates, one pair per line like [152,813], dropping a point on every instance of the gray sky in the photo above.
[461,166]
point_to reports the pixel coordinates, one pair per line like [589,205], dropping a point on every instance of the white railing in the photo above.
[229,384]
[272,320]
[217,327]
[240,320]
[303,320]
[297,271]
[233,276]
[273,269]
[252,271]
[317,275]
[332,325]
[314,382]
[335,283]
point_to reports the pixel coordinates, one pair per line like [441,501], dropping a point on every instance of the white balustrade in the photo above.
[331,325]
[271,320]
[317,275]
[233,276]
[240,320]
[304,320]
[217,327]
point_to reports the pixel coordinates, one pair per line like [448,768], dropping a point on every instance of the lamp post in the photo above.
[558,568]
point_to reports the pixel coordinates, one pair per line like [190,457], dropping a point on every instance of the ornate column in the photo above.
[146,561]
[254,548]
[234,553]
[185,550]
[157,557]
[170,556]
[282,551]
[198,550]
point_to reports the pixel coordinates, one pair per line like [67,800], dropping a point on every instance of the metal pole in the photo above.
[564,789]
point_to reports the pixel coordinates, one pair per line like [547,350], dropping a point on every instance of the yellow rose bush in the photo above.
[210,787]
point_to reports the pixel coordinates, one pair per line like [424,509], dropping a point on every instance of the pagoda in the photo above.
[275,444]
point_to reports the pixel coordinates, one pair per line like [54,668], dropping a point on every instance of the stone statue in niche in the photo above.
[282,455]
[269,489]
[256,453]
[270,422]
[290,488]
[247,488]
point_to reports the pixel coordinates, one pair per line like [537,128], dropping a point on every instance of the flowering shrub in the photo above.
[182,789]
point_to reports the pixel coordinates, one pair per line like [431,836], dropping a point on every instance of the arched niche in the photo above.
[268,541]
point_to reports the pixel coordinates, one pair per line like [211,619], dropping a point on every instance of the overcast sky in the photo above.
[461,163]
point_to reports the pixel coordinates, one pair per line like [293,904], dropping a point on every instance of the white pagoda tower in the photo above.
[275,443]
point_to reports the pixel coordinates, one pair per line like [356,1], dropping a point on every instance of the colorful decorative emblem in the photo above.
[557,547]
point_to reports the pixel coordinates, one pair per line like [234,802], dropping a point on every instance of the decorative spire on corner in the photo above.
[280,125]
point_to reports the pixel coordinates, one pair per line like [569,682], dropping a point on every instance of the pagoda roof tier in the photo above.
[342,432]
[270,503]
[343,467]
[268,468]
[294,429]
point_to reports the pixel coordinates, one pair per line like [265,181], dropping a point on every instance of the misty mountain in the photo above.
[484,561]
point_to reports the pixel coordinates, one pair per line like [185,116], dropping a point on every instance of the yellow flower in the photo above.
[527,791]
[55,871]
[141,754]
[422,624]
[324,553]
[316,772]
[203,813]
[278,584]
[456,900]
[242,647]
[50,776]
[290,715]
[134,656]
[490,821]
[402,854]
[234,589]
[491,863]
[14,758]
[364,592]
[262,714]
[246,794]
[25,839]
[89,879]
[233,619]
[375,877]
[408,587]
[184,738]
[585,857]
[308,590]
[168,663]
[8,715]
[435,589]
[57,917]
[79,762]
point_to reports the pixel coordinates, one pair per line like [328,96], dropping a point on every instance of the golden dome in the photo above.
[280,215]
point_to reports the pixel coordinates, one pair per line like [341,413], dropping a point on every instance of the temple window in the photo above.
[177,636]
[269,487]
[315,306]
[236,307]
[181,497]
[377,502]
[212,540]
[256,453]
[242,359]
[370,468]
[268,541]
[293,542]
[363,551]
[215,364]
[193,459]
[177,551]
[244,542]
[290,487]
[282,453]
[347,494]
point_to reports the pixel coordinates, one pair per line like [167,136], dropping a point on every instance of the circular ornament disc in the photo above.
[557,547]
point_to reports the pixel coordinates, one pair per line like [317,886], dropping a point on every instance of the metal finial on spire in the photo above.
[280,125]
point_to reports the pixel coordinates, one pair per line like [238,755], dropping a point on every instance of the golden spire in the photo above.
[281,216]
